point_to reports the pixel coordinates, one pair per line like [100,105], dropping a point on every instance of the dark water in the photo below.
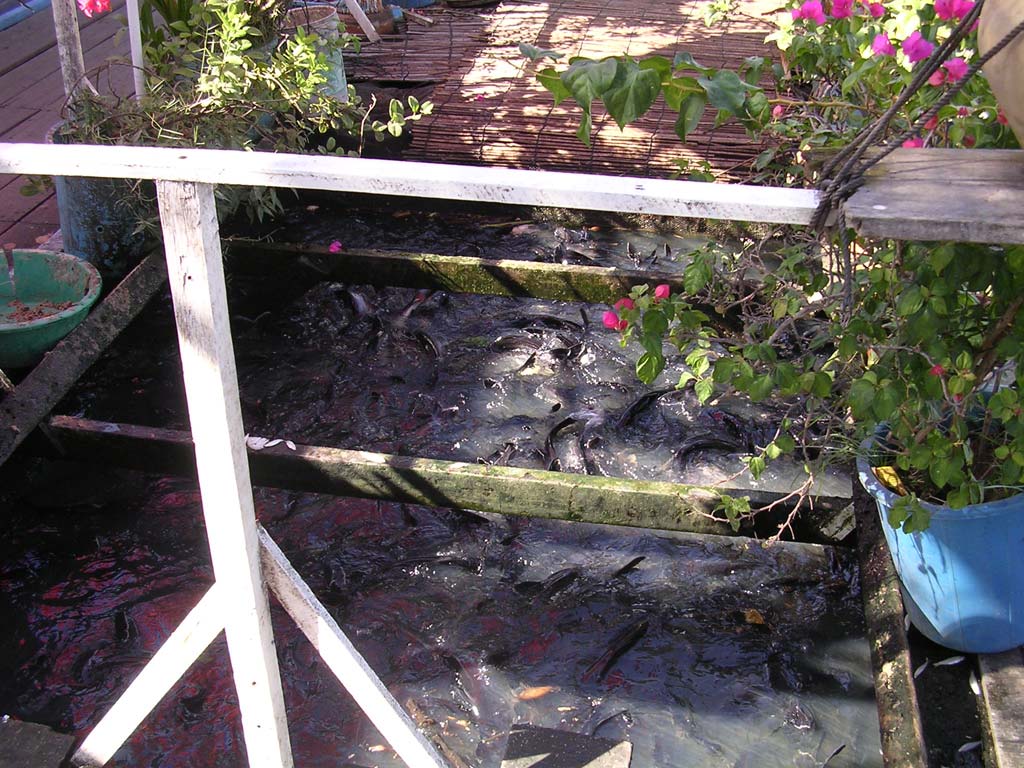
[699,650]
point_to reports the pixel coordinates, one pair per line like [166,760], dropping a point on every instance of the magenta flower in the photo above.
[89,7]
[842,9]
[625,303]
[938,78]
[335,246]
[881,46]
[952,10]
[955,69]
[877,10]
[612,321]
[1001,118]
[963,112]
[932,123]
[936,370]
[778,111]
[917,48]
[810,10]
[662,291]
[915,143]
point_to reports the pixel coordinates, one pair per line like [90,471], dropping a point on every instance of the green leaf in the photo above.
[648,366]
[588,80]
[533,53]
[703,389]
[655,324]
[658,64]
[685,60]
[909,302]
[583,132]
[724,368]
[552,80]
[677,88]
[941,257]
[761,388]
[632,92]
[690,112]
[886,401]
[822,386]
[862,395]
[726,91]
[756,465]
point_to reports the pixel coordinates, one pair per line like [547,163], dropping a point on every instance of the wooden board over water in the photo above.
[969,195]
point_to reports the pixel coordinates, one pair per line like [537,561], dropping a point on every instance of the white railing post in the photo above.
[195,273]
[135,44]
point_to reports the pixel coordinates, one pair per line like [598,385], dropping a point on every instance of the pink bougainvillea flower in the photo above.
[624,303]
[969,141]
[778,111]
[937,370]
[810,10]
[335,246]
[938,78]
[1000,117]
[89,7]
[915,143]
[662,291]
[963,112]
[612,321]
[932,124]
[881,46]
[877,10]
[955,69]
[917,48]
[842,9]
[952,10]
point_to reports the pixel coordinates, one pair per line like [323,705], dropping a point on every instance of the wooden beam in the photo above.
[898,714]
[170,662]
[459,274]
[364,22]
[53,377]
[967,195]
[1002,685]
[69,46]
[431,482]
[342,658]
[737,202]
[195,272]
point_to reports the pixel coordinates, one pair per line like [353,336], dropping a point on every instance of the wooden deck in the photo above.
[490,109]
[31,98]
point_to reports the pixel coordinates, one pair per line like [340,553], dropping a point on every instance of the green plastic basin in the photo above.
[51,294]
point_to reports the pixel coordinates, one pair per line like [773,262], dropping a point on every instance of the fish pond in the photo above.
[699,650]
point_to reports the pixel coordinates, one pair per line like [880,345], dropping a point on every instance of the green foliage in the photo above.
[219,76]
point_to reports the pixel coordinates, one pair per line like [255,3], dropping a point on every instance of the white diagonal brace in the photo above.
[347,664]
[195,273]
[171,661]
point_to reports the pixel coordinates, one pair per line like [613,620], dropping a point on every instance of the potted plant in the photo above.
[908,357]
[217,75]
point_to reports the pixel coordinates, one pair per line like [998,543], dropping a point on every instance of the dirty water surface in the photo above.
[703,651]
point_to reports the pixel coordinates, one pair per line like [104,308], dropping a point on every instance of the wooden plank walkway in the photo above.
[491,110]
[31,98]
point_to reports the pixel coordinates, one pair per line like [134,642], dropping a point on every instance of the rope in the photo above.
[836,188]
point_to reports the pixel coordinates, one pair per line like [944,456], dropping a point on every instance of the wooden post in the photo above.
[364,22]
[69,45]
[168,665]
[196,275]
[344,660]
[135,42]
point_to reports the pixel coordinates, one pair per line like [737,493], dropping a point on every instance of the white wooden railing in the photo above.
[245,560]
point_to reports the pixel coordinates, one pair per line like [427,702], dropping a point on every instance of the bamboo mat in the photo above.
[490,110]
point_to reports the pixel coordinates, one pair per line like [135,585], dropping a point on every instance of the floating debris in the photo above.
[536,692]
[620,644]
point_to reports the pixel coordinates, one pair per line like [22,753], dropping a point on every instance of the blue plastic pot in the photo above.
[963,578]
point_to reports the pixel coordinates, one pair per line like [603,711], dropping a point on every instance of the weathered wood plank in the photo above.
[898,714]
[459,274]
[51,379]
[432,482]
[342,658]
[735,202]
[968,195]
[195,272]
[1002,685]
[170,662]
[69,45]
